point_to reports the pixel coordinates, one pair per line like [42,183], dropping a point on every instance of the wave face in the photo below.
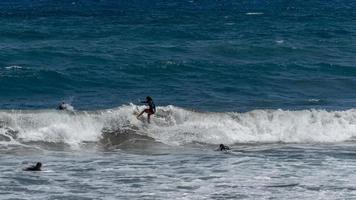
[176,126]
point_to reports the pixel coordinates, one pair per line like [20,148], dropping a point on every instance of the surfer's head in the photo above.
[148,98]
[38,165]
[222,147]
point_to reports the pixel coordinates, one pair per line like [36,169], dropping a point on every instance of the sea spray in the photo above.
[177,126]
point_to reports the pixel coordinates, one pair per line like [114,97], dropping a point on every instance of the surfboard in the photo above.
[141,118]
[154,118]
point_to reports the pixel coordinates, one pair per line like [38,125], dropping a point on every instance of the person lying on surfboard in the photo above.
[36,167]
[150,110]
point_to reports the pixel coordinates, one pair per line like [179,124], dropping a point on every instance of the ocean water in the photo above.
[274,80]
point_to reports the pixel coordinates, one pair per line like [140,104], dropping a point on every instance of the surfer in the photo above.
[223,147]
[36,167]
[65,106]
[62,106]
[150,110]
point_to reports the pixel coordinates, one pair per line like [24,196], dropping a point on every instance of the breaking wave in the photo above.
[175,126]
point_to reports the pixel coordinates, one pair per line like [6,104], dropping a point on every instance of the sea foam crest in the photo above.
[177,126]
[258,126]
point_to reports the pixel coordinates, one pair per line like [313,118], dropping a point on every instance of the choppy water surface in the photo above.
[109,154]
[275,80]
[248,172]
[208,55]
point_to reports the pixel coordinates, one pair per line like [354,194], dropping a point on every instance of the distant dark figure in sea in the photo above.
[150,110]
[223,147]
[36,167]
[65,106]
[61,106]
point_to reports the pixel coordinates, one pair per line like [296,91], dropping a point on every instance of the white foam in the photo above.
[13,67]
[177,126]
[257,126]
[313,100]
[254,13]
[68,107]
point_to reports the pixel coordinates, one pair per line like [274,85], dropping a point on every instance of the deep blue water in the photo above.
[258,58]
[206,55]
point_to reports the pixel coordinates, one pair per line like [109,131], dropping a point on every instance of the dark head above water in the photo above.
[223,147]
[148,98]
[36,167]
[61,106]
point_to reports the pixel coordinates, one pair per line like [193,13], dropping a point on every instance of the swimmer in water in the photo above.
[223,147]
[62,106]
[36,167]
[150,110]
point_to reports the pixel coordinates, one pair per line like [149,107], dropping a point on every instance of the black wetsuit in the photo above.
[36,167]
[62,106]
[223,147]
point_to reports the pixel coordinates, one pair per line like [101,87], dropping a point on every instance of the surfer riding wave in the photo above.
[150,110]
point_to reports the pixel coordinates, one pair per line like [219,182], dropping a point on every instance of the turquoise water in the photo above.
[275,80]
[211,55]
